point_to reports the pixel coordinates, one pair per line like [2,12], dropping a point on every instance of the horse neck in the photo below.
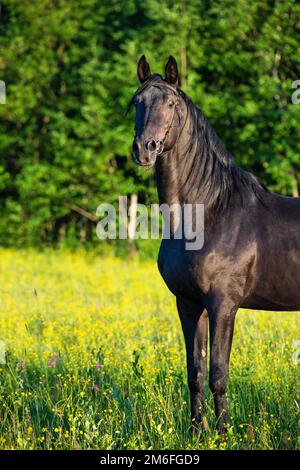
[167,179]
[195,169]
[199,170]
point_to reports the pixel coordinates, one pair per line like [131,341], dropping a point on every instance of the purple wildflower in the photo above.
[54,360]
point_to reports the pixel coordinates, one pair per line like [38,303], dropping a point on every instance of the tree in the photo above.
[70,70]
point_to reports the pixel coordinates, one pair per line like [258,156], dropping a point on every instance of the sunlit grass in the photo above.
[95,359]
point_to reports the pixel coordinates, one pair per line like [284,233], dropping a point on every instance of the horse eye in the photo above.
[171,103]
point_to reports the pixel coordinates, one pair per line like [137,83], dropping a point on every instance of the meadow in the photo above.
[95,359]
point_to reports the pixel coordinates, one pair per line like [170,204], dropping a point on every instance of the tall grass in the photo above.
[95,360]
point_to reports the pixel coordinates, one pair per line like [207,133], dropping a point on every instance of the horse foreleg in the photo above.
[221,324]
[195,325]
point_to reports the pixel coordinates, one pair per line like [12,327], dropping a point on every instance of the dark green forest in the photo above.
[70,70]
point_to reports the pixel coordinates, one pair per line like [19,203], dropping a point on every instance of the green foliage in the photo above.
[70,70]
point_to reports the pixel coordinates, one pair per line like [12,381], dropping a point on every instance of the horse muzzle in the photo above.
[145,154]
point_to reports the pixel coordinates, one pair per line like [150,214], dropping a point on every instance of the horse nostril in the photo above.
[160,148]
[151,145]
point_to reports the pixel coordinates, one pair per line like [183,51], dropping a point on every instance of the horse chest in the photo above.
[197,274]
[175,269]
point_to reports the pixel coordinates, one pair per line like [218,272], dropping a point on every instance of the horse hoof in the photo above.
[199,427]
[222,433]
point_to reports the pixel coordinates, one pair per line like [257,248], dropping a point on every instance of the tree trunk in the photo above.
[132,223]
[295,189]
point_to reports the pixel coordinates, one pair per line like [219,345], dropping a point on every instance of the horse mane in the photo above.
[207,170]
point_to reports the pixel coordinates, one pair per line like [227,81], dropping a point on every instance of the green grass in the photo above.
[95,360]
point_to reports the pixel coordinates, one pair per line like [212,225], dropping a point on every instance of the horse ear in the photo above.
[171,71]
[143,69]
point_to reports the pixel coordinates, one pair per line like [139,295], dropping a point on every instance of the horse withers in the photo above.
[251,252]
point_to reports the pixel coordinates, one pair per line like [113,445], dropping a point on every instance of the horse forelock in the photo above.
[155,80]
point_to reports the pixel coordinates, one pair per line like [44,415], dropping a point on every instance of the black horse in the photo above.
[251,253]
